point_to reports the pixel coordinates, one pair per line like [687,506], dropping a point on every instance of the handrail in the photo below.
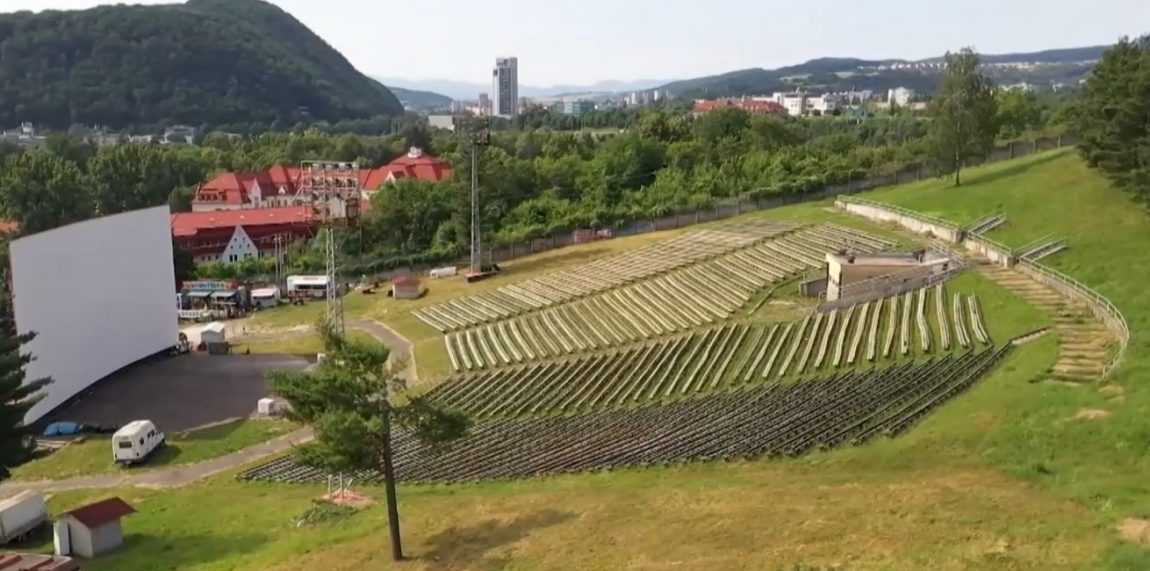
[1117,321]
[992,242]
[924,217]
[1123,328]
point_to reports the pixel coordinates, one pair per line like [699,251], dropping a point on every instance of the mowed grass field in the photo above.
[94,455]
[1002,477]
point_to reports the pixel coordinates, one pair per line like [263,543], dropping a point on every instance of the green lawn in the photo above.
[1003,477]
[295,343]
[94,455]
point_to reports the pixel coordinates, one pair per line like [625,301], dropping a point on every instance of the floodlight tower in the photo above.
[480,137]
[334,301]
[332,186]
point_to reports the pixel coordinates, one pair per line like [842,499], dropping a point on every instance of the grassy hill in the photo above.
[206,61]
[1008,476]
[421,100]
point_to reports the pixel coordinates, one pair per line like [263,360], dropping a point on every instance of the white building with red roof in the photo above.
[285,186]
[232,236]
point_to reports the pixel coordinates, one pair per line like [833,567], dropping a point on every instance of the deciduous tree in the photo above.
[963,112]
[40,191]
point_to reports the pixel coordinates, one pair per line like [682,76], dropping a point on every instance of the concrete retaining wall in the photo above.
[988,250]
[917,225]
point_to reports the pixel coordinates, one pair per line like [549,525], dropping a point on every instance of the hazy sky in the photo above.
[582,41]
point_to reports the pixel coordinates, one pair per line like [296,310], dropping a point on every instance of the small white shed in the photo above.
[95,528]
[215,332]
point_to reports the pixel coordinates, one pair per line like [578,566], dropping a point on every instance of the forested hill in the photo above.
[421,100]
[841,74]
[217,62]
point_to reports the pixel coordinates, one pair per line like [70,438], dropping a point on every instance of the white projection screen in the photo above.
[99,294]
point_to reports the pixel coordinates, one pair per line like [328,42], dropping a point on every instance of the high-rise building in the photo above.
[505,88]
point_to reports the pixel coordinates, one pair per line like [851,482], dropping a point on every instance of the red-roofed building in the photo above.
[36,562]
[233,235]
[282,186]
[752,106]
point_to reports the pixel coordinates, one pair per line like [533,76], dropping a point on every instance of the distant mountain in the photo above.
[421,100]
[468,91]
[841,74]
[205,61]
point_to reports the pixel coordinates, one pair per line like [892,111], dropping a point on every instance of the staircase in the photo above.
[1083,341]
[1044,249]
[987,224]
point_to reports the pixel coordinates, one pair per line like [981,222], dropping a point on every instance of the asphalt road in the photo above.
[178,393]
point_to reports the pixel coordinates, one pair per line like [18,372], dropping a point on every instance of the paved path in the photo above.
[401,348]
[169,477]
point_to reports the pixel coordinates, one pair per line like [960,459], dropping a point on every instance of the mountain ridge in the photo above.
[844,73]
[204,61]
[469,91]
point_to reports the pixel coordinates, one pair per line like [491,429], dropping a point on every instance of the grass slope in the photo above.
[1002,477]
[1099,464]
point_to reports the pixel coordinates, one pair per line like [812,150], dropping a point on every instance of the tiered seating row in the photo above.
[675,302]
[806,247]
[730,356]
[844,409]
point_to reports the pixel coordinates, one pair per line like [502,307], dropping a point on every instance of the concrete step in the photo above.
[1078,370]
[1074,379]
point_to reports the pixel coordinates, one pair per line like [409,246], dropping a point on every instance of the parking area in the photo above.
[178,393]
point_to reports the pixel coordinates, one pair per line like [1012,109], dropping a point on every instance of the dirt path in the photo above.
[401,348]
[170,477]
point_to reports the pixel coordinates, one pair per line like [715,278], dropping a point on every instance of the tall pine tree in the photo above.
[16,395]
[353,402]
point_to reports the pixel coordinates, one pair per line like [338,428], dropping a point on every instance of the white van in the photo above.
[136,441]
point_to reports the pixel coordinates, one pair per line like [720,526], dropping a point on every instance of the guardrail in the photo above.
[1100,306]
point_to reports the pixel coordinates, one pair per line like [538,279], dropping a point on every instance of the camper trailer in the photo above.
[134,442]
[308,286]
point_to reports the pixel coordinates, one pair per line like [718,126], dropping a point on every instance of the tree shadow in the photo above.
[1012,170]
[468,547]
[557,258]
[178,551]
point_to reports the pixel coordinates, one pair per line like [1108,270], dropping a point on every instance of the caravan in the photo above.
[136,441]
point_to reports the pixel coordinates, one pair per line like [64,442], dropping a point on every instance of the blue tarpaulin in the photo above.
[62,429]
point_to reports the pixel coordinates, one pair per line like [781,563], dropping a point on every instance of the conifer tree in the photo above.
[16,395]
[353,402]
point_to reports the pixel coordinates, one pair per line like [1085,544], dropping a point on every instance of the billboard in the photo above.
[99,294]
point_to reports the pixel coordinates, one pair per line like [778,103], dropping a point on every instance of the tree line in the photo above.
[535,182]
[1113,117]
